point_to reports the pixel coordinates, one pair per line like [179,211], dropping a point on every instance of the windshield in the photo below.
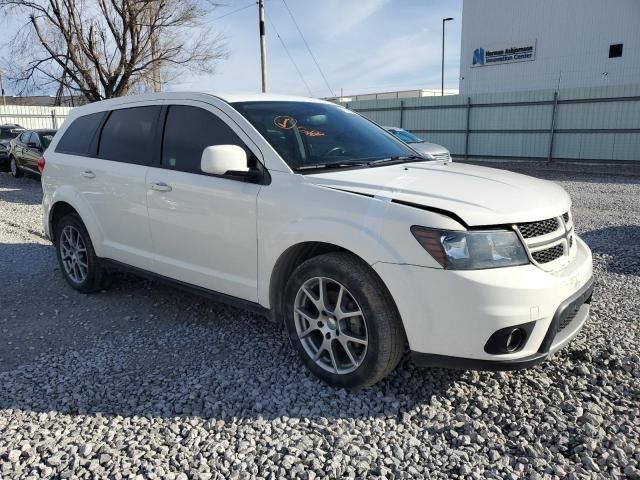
[406,136]
[307,133]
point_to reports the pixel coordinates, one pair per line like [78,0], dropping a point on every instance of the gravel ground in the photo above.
[141,380]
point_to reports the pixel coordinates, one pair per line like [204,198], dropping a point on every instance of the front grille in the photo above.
[441,156]
[549,254]
[565,217]
[537,229]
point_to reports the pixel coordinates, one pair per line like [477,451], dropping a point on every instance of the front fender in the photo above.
[348,235]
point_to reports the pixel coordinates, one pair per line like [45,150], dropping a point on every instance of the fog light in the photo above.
[509,340]
[515,340]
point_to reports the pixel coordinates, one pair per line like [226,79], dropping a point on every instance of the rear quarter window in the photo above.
[78,138]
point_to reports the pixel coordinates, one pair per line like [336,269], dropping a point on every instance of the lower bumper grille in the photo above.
[571,314]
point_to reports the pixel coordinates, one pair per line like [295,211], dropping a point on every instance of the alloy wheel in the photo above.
[73,252]
[330,325]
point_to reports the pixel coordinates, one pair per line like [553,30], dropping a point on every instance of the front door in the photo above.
[203,227]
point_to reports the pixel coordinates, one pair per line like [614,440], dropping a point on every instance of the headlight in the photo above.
[469,250]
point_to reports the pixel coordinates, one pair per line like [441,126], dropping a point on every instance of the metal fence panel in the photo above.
[598,123]
[33,117]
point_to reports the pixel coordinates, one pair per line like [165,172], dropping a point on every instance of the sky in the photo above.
[362,46]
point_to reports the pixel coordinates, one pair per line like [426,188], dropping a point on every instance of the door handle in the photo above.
[88,174]
[160,187]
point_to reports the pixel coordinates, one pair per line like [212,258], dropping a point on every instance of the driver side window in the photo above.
[188,131]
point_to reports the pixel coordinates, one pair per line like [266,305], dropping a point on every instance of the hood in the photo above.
[477,195]
[426,148]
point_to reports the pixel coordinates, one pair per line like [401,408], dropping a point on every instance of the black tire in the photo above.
[14,168]
[96,276]
[386,336]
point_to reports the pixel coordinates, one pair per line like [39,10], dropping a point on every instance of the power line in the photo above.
[234,11]
[289,54]
[309,49]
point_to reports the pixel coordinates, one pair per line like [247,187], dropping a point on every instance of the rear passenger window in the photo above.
[188,131]
[128,135]
[78,137]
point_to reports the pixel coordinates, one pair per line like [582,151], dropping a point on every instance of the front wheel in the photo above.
[342,321]
[15,170]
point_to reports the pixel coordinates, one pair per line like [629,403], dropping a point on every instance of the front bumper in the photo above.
[575,307]
[449,316]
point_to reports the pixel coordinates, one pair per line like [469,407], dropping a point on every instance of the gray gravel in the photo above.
[141,380]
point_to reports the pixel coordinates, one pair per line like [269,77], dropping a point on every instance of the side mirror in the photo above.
[222,159]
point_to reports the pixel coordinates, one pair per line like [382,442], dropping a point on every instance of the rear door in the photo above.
[113,183]
[203,227]
[19,149]
[31,153]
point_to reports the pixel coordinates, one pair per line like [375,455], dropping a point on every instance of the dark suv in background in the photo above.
[7,133]
[26,151]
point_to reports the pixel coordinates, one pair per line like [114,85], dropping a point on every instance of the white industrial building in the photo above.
[511,45]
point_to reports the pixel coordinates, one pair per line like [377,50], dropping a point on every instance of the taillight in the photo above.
[41,162]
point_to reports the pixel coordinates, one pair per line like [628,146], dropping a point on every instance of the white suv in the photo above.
[309,213]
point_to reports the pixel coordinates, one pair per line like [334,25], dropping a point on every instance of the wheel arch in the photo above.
[290,259]
[56,213]
[66,201]
[287,262]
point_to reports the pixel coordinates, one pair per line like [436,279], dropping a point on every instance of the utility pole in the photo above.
[442,76]
[92,32]
[263,47]
[4,99]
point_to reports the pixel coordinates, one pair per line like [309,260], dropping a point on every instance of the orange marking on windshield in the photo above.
[285,122]
[310,133]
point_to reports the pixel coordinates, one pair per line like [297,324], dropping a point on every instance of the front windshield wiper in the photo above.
[327,166]
[398,159]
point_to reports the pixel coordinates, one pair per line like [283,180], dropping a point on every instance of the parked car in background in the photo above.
[321,220]
[26,150]
[428,150]
[7,133]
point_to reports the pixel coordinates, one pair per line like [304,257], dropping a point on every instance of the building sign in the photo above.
[520,52]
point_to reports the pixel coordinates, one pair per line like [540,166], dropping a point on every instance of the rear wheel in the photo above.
[342,321]
[15,170]
[78,262]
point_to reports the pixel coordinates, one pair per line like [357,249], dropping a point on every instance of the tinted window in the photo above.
[188,131]
[128,135]
[24,138]
[77,139]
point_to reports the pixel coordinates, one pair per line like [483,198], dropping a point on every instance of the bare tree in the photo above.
[108,48]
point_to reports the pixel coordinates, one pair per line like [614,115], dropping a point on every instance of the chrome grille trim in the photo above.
[547,240]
